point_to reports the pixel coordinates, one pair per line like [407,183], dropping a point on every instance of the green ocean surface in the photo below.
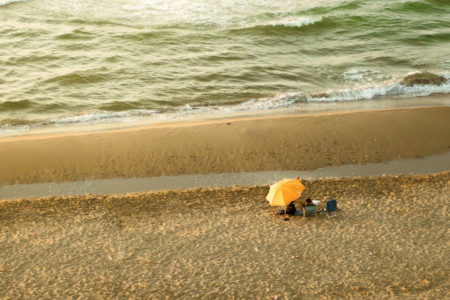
[84,61]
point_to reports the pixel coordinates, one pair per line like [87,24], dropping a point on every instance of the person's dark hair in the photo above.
[309,200]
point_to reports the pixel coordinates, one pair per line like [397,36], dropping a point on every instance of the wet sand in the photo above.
[389,241]
[296,143]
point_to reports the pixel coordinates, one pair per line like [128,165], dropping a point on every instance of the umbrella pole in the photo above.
[286,217]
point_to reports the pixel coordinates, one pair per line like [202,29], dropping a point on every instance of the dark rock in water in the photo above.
[426,78]
[320,95]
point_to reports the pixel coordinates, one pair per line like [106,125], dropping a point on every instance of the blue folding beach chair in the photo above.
[332,208]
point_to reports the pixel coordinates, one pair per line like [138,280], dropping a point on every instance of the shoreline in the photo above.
[380,103]
[276,143]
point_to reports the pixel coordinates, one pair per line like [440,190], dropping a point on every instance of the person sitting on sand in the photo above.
[290,210]
[308,202]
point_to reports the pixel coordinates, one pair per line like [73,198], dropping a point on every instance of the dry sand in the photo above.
[389,241]
[302,142]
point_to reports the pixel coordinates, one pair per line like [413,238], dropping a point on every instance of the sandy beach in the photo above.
[389,240]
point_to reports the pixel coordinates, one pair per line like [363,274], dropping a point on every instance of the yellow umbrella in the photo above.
[284,192]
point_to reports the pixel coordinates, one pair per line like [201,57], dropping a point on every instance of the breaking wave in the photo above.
[277,25]
[7,2]
[393,89]
[297,21]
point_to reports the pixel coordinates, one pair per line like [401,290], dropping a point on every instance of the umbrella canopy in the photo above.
[284,192]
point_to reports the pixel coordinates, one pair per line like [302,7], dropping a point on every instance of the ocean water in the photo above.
[78,62]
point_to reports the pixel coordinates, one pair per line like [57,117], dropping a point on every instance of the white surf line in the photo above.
[429,165]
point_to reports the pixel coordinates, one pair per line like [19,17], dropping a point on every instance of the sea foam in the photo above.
[291,100]
[296,21]
[7,2]
[391,88]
